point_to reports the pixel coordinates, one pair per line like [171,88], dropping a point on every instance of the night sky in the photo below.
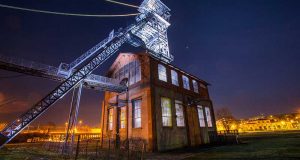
[247,49]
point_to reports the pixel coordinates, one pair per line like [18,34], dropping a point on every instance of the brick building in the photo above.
[165,106]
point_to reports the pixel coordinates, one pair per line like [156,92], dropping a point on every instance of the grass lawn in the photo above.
[274,146]
[267,147]
[26,152]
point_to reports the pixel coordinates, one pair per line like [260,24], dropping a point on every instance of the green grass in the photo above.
[273,147]
[26,152]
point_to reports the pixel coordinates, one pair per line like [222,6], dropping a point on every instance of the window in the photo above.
[137,113]
[126,71]
[174,77]
[186,82]
[110,119]
[208,117]
[138,76]
[166,112]
[135,72]
[162,73]
[123,117]
[179,113]
[201,116]
[121,73]
[132,71]
[195,86]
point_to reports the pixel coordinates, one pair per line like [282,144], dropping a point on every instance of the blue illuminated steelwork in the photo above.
[66,69]
[154,33]
[73,115]
[92,81]
[149,30]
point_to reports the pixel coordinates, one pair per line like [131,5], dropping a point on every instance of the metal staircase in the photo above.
[149,30]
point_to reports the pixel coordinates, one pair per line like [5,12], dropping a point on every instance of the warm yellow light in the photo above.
[233,126]
[282,122]
[96,130]
[80,122]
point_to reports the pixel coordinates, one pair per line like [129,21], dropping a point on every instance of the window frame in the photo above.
[166,112]
[201,117]
[134,111]
[186,84]
[162,72]
[181,115]
[208,117]
[122,118]
[110,119]
[195,86]
[174,80]
[138,71]
[132,73]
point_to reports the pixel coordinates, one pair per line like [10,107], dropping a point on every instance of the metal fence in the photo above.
[106,149]
[224,137]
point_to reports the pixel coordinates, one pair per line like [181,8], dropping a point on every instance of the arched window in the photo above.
[174,77]
[186,82]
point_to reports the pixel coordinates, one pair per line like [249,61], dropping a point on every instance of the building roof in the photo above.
[145,53]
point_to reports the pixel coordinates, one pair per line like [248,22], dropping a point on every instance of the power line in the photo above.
[7,101]
[121,3]
[68,14]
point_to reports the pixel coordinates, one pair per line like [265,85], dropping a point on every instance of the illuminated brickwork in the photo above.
[160,107]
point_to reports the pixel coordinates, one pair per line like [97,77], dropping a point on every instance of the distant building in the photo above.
[165,106]
[282,122]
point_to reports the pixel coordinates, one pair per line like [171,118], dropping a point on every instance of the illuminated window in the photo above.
[201,116]
[123,117]
[134,72]
[208,117]
[110,118]
[137,114]
[162,73]
[186,82]
[179,113]
[166,112]
[195,86]
[174,77]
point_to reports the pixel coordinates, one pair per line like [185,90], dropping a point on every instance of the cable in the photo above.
[8,101]
[121,3]
[67,14]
